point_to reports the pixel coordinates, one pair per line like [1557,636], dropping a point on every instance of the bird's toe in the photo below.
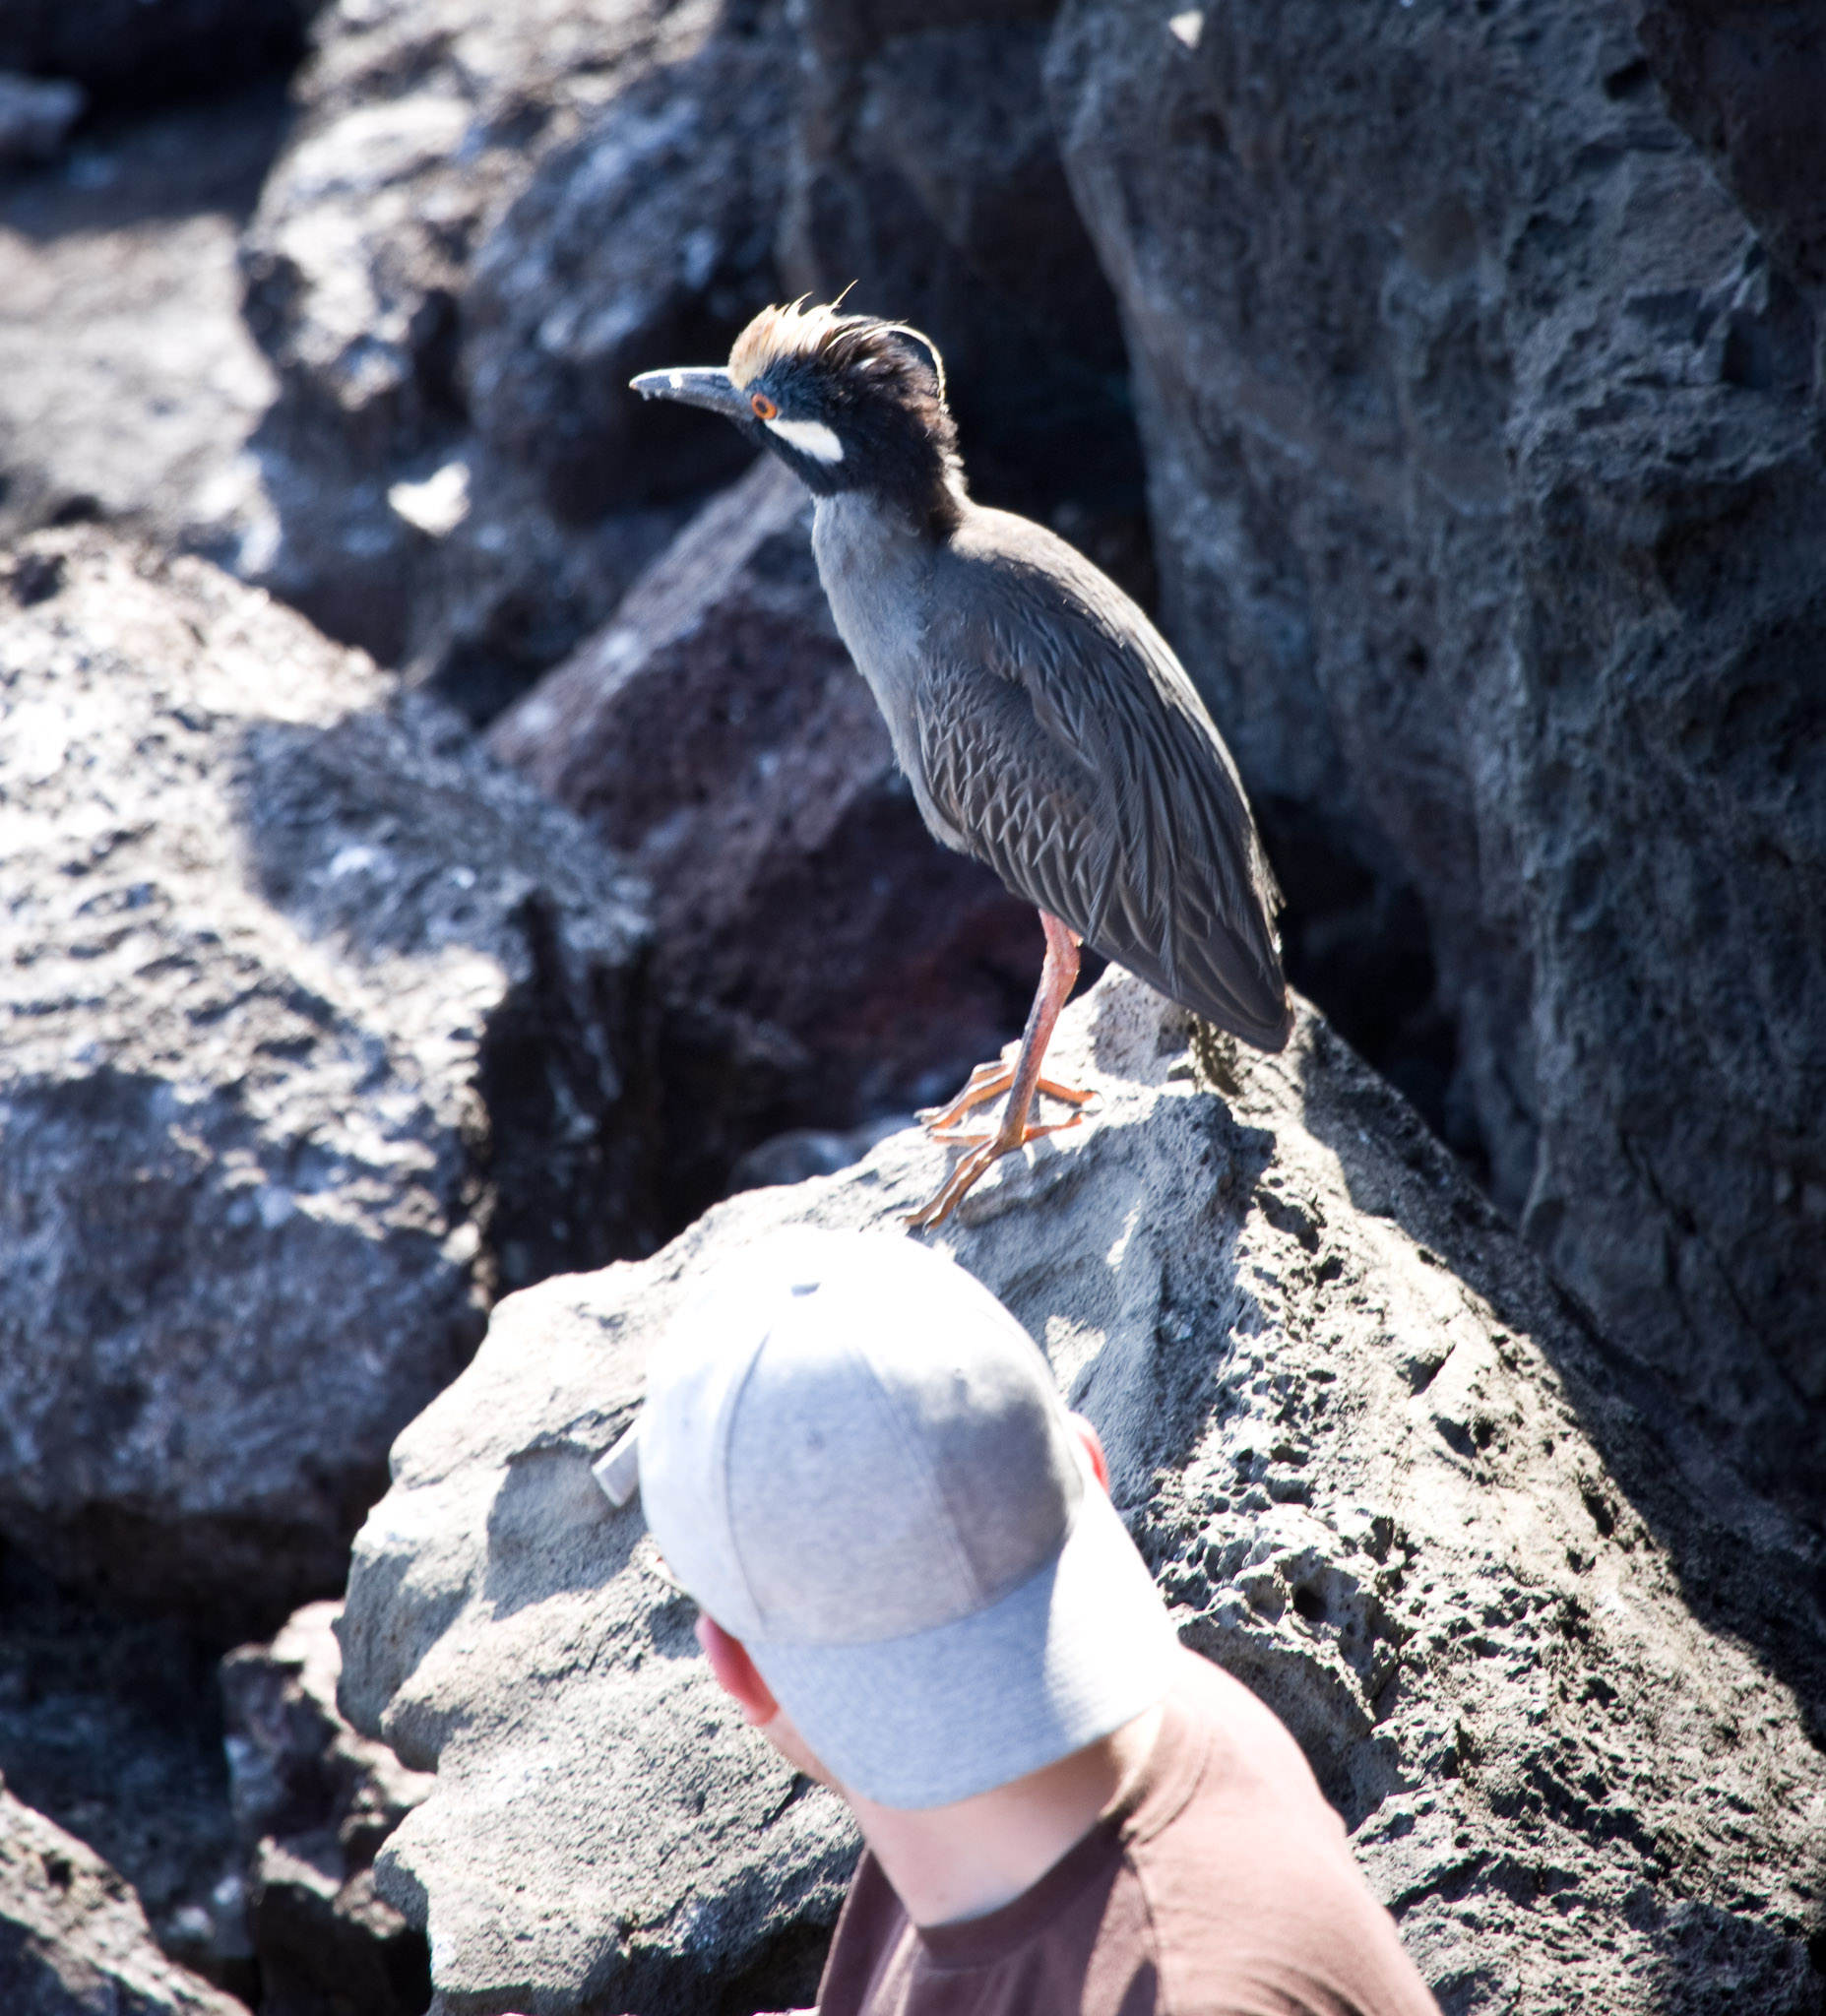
[986,1082]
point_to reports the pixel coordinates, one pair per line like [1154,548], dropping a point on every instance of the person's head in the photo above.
[856,1460]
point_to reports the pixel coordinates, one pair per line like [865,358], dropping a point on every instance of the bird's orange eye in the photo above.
[764,407]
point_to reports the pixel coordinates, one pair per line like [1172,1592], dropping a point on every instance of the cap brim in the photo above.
[1070,1655]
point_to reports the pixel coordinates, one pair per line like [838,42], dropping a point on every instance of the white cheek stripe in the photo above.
[809,437]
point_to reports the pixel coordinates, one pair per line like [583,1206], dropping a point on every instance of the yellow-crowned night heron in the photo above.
[1043,722]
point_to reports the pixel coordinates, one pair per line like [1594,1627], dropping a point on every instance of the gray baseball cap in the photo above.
[857,1461]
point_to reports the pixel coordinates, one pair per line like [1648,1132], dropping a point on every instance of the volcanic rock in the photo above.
[1550,1663]
[1747,83]
[823,960]
[73,1938]
[312,1802]
[646,241]
[110,1726]
[318,1027]
[128,381]
[1490,486]
[419,126]
[35,116]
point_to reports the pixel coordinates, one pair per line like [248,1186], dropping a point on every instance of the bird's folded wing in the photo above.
[1093,783]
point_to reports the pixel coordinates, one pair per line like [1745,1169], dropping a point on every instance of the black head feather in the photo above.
[871,390]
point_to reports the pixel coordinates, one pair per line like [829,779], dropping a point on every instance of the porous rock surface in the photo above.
[822,959]
[312,1804]
[419,123]
[1488,488]
[1747,83]
[1548,1661]
[73,1938]
[318,1026]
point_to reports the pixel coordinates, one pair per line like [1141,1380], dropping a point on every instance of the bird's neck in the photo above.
[876,565]
[911,478]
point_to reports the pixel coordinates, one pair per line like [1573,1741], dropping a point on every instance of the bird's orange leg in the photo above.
[1021,1081]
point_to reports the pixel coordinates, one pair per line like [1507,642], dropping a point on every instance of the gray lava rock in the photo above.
[1551,1665]
[822,959]
[924,172]
[132,54]
[318,1026]
[418,125]
[646,241]
[1488,490]
[312,1804]
[128,381]
[73,1939]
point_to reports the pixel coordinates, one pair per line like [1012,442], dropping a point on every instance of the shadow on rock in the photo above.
[550,1528]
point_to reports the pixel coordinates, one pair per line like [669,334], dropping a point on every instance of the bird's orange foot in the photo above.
[951,1137]
[984,1149]
[988,1082]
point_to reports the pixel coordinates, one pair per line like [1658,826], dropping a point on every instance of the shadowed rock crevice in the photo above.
[313,1802]
[111,1727]
[923,173]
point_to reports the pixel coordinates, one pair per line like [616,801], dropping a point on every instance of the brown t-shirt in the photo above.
[1217,1883]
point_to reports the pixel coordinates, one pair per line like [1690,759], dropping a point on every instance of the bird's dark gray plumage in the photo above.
[1043,722]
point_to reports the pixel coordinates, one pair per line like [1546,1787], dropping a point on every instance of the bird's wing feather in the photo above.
[1073,753]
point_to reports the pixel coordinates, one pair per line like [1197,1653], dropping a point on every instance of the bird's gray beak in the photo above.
[709,388]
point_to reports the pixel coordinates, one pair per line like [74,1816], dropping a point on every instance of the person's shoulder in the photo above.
[1255,1898]
[1247,1747]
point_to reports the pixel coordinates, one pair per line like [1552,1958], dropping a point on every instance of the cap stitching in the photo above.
[911,1446]
[725,1439]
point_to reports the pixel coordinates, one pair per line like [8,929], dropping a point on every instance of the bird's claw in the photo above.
[986,1082]
[984,1149]
[940,1207]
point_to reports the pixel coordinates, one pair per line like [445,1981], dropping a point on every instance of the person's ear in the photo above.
[1094,1448]
[736,1673]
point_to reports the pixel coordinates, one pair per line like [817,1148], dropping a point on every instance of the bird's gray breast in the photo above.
[878,574]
